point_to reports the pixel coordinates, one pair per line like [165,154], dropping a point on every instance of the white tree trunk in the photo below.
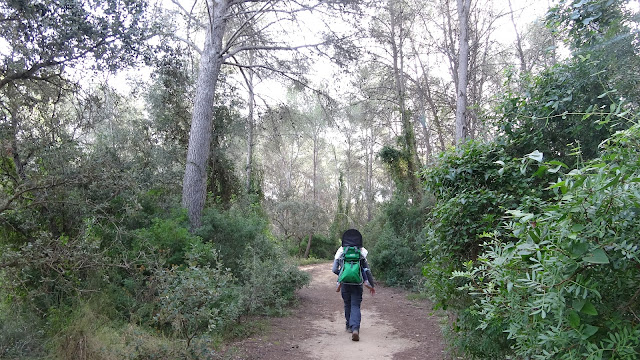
[250,128]
[194,186]
[464,7]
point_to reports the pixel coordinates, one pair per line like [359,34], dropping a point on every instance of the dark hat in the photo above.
[352,237]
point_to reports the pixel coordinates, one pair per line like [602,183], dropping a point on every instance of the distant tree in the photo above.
[299,221]
[42,42]
[221,45]
[392,28]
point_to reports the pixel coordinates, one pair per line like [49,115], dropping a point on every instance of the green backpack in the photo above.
[351,272]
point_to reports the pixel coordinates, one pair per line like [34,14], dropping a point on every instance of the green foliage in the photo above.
[395,242]
[21,334]
[559,111]
[44,36]
[397,163]
[270,282]
[583,100]
[267,281]
[232,231]
[587,23]
[322,247]
[52,272]
[85,333]
[475,184]
[470,341]
[168,237]
[197,299]
[396,260]
[567,288]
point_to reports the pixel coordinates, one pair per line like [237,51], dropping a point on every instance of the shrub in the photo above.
[395,241]
[395,260]
[474,186]
[322,247]
[196,299]
[52,271]
[232,231]
[270,282]
[21,334]
[567,288]
[169,238]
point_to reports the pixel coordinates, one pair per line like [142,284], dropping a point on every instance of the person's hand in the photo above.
[372,291]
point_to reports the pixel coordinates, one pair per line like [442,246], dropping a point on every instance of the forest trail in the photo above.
[392,327]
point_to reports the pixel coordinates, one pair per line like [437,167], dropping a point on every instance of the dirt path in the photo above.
[392,327]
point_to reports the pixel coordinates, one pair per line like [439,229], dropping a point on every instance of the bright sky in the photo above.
[525,11]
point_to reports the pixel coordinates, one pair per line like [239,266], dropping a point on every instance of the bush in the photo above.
[322,247]
[196,299]
[474,186]
[395,242]
[395,260]
[270,282]
[232,231]
[86,334]
[147,271]
[52,271]
[169,238]
[21,334]
[567,288]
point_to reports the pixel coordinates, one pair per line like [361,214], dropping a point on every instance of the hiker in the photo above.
[351,290]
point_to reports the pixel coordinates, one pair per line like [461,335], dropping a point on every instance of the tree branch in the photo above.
[272,48]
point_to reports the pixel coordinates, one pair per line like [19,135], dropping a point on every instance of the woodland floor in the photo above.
[393,327]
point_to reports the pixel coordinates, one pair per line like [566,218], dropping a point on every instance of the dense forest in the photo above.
[164,168]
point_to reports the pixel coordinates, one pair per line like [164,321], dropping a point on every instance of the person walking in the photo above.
[352,292]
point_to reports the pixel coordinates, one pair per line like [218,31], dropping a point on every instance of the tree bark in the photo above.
[519,48]
[250,128]
[308,250]
[464,7]
[397,37]
[195,175]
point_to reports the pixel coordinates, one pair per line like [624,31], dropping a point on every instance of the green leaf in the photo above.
[577,227]
[579,249]
[597,256]
[611,183]
[558,163]
[589,309]
[541,171]
[574,319]
[589,330]
[578,304]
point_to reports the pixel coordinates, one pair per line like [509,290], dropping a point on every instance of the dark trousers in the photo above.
[352,296]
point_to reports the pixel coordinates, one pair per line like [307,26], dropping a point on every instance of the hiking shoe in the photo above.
[348,329]
[355,336]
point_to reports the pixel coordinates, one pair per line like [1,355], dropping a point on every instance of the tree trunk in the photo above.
[413,163]
[308,250]
[519,48]
[369,181]
[250,127]
[315,167]
[194,187]
[464,7]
